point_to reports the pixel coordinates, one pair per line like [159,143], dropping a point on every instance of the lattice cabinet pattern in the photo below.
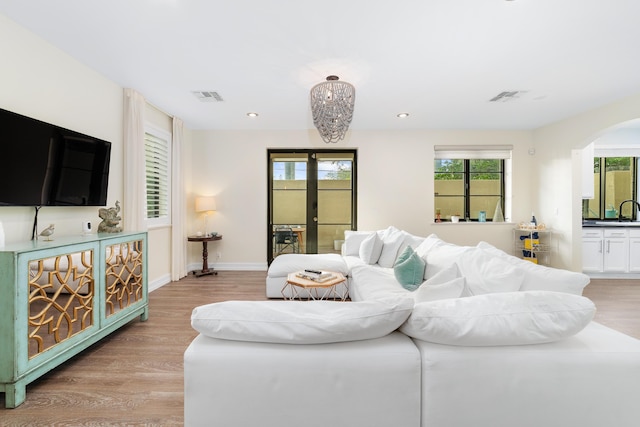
[124,285]
[59,297]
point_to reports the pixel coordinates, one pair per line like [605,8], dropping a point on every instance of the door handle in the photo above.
[315,219]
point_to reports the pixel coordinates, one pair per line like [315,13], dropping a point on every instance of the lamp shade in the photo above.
[205,204]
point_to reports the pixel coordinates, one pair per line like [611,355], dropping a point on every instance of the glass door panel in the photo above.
[311,192]
[335,199]
[289,188]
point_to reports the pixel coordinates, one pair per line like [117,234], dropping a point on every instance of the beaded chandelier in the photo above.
[332,108]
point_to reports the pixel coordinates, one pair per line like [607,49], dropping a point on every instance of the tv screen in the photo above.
[45,165]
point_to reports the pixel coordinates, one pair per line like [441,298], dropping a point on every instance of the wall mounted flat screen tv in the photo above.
[45,165]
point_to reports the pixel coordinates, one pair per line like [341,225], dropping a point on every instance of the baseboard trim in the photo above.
[231,266]
[159,282]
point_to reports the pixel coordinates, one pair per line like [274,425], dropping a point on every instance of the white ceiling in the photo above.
[439,60]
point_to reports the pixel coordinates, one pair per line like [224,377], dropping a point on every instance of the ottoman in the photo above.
[289,263]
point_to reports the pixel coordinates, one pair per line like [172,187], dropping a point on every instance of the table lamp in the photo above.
[206,204]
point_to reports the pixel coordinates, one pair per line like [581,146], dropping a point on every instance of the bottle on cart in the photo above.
[533,220]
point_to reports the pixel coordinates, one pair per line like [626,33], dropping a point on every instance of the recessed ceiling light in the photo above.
[252,114]
[402,115]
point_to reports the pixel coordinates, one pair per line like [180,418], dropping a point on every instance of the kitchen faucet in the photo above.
[620,209]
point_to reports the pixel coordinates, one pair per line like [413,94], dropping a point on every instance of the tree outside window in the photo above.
[464,187]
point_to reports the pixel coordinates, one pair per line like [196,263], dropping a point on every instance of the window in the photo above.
[157,148]
[614,182]
[468,180]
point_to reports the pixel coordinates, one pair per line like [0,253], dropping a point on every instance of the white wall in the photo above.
[395,185]
[40,81]
[559,183]
[395,168]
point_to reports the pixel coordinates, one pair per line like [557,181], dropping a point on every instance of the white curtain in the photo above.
[133,206]
[178,206]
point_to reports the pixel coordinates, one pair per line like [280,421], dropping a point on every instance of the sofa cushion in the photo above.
[409,269]
[284,264]
[512,318]
[371,248]
[392,239]
[374,282]
[540,277]
[447,283]
[301,322]
[485,273]
[437,291]
[439,254]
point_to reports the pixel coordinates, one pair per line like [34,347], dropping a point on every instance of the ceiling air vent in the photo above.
[507,96]
[208,96]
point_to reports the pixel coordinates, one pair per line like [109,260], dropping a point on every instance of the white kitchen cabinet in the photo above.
[610,250]
[634,251]
[616,251]
[592,250]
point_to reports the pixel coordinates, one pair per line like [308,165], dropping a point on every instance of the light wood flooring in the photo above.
[134,377]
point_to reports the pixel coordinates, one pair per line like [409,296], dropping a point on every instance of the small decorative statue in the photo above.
[47,232]
[110,219]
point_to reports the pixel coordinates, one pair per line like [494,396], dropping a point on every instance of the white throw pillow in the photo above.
[371,248]
[410,240]
[438,254]
[513,318]
[427,244]
[301,322]
[353,240]
[392,239]
[445,284]
[451,289]
[540,277]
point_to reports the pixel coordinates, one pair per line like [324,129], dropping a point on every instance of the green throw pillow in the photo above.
[409,269]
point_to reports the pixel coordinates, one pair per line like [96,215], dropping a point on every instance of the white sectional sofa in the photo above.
[477,338]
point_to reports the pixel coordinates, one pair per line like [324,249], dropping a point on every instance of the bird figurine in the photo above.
[47,232]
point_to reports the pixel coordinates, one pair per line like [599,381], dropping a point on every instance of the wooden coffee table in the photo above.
[316,290]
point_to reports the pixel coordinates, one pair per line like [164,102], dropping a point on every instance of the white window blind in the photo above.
[617,152]
[473,151]
[158,176]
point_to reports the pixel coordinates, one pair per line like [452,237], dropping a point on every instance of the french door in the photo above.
[313,192]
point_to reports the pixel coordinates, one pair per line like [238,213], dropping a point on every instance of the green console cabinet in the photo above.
[59,297]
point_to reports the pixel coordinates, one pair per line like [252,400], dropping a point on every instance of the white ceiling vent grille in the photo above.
[509,95]
[208,96]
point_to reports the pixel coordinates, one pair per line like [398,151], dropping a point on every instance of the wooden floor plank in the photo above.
[134,377]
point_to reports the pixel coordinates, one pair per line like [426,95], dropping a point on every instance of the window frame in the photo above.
[600,188]
[164,218]
[466,153]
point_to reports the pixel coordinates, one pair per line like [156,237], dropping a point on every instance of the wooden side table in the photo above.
[205,254]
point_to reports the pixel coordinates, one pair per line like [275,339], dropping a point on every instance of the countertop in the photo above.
[614,223]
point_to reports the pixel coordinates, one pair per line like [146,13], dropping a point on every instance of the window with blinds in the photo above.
[157,148]
[469,180]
